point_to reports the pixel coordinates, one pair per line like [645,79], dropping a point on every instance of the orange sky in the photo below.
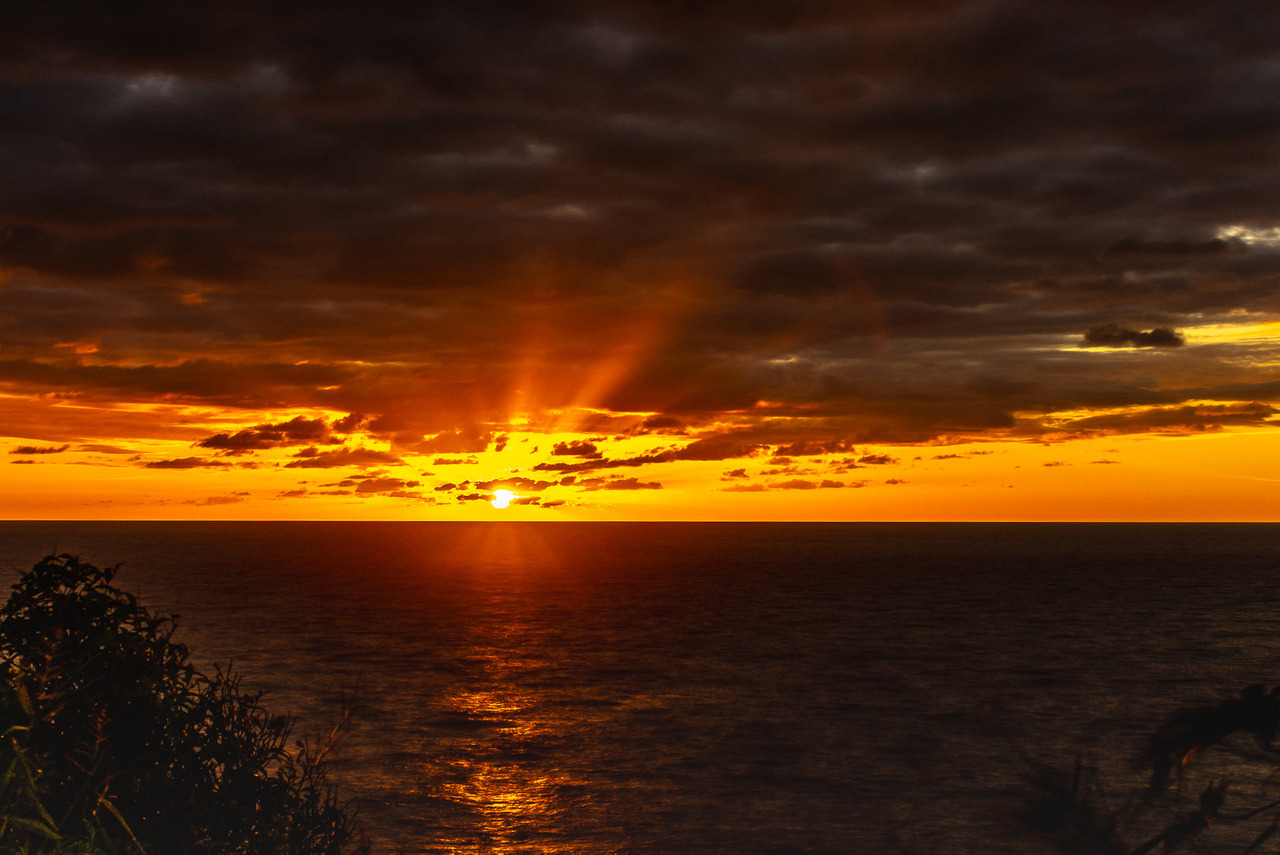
[1224,474]
[903,262]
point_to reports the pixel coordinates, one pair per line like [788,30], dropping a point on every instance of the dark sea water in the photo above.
[711,688]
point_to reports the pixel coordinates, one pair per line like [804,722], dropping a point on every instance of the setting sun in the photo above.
[502,498]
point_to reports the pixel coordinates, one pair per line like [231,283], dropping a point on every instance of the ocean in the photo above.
[721,687]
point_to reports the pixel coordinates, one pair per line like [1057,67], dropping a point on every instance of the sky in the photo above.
[943,259]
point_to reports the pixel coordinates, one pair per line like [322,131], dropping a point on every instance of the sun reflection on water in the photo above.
[501,772]
[504,784]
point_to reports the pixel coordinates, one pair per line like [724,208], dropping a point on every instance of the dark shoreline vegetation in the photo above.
[112,743]
[1212,769]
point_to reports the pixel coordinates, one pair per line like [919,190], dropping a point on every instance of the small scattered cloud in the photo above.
[39,449]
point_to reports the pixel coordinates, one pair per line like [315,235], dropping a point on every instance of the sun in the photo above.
[502,498]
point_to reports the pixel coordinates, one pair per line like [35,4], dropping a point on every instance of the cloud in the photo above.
[383,485]
[460,441]
[716,447]
[349,423]
[577,448]
[1133,247]
[617,484]
[812,447]
[212,501]
[186,463]
[1114,335]
[311,458]
[99,448]
[1199,417]
[515,484]
[296,431]
[39,449]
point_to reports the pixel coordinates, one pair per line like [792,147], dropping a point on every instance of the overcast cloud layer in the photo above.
[898,220]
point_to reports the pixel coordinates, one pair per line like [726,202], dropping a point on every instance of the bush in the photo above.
[1213,772]
[112,742]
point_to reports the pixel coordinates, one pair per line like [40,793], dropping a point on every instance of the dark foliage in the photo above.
[112,742]
[1212,771]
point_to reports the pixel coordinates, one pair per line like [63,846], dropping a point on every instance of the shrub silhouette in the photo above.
[1211,767]
[112,742]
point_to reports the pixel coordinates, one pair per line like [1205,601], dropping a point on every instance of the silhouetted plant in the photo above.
[112,742]
[1204,772]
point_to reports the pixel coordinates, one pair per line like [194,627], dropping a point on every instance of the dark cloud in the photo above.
[577,448]
[39,449]
[1114,335]
[810,447]
[296,431]
[1133,247]
[383,485]
[348,423]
